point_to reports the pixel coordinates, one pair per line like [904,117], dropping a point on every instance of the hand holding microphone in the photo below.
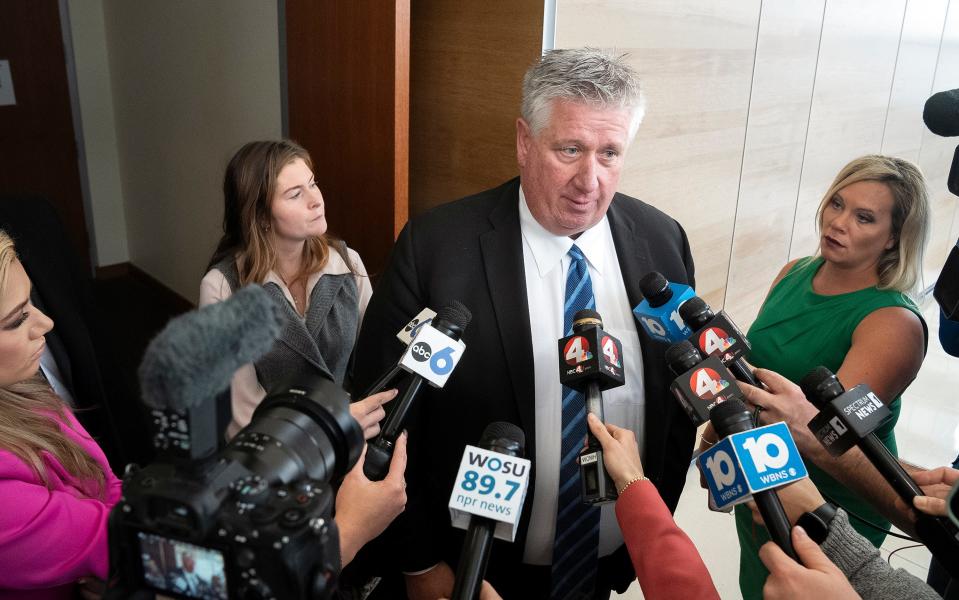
[431,357]
[365,508]
[369,411]
[620,451]
[591,360]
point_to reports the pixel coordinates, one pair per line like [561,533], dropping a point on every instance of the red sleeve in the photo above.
[666,561]
[47,537]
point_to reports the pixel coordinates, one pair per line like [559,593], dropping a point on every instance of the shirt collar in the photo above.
[548,249]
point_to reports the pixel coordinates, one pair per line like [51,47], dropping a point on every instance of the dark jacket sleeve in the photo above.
[397,298]
[681,432]
[948,334]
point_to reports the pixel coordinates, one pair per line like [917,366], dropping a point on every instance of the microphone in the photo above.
[194,358]
[717,335]
[700,384]
[485,501]
[734,426]
[658,313]
[431,357]
[405,335]
[941,113]
[590,360]
[849,418]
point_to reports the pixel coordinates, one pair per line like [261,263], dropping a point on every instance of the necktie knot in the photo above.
[575,253]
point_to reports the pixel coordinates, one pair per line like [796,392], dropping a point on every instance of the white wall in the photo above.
[191,82]
[109,235]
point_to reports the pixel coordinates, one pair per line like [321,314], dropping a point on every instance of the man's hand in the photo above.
[797,498]
[789,580]
[620,451]
[783,401]
[364,508]
[368,412]
[936,485]
[435,583]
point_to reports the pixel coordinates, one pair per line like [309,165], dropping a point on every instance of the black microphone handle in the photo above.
[889,468]
[776,521]
[939,534]
[383,381]
[743,373]
[379,451]
[473,558]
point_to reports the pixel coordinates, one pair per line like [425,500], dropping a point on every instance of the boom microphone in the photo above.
[941,113]
[729,418]
[431,357]
[849,414]
[194,358]
[509,440]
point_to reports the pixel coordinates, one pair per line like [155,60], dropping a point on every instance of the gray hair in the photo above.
[584,75]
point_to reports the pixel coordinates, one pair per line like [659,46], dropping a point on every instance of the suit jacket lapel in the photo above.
[632,249]
[502,249]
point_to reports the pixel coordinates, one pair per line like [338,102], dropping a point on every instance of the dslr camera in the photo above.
[252,520]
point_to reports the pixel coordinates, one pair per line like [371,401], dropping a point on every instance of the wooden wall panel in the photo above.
[786,52]
[38,149]
[348,90]
[466,71]
[857,57]
[696,60]
[915,69]
[936,153]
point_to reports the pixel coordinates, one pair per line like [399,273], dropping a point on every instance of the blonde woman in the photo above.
[274,235]
[56,487]
[847,308]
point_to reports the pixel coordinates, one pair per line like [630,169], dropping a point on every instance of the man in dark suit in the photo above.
[522,257]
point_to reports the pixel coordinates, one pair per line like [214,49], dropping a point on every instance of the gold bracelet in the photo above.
[632,481]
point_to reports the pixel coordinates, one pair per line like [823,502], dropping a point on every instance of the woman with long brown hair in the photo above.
[274,235]
[56,487]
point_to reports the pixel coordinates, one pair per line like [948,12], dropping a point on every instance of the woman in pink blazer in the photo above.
[56,487]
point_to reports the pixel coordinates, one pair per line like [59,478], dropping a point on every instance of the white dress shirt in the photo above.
[546,262]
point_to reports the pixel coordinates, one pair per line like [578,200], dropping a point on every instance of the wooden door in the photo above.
[38,147]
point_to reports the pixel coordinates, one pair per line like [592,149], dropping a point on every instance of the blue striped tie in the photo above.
[576,543]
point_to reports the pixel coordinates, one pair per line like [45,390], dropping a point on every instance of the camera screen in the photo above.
[182,568]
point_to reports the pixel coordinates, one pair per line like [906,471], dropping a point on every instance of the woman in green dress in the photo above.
[847,308]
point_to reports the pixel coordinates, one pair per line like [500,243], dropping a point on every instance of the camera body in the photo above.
[253,520]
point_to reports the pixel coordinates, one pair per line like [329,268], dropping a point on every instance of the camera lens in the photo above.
[301,430]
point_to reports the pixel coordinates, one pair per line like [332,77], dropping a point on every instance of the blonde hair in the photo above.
[248,188]
[900,267]
[27,427]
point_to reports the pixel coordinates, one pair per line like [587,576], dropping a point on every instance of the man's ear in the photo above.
[524,139]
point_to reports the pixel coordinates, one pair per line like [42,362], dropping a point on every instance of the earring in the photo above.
[265,226]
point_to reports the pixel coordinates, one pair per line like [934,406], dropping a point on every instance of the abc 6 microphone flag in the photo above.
[492,485]
[432,355]
[751,461]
